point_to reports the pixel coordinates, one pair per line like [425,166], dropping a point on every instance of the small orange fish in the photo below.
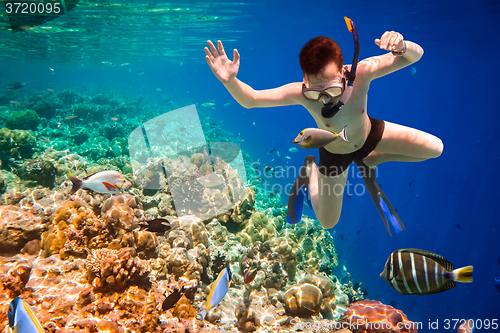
[59,124]
[15,102]
[114,118]
[50,90]
[70,117]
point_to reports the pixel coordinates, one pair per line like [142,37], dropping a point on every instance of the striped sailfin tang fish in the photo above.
[420,272]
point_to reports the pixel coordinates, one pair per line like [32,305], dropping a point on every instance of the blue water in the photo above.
[451,206]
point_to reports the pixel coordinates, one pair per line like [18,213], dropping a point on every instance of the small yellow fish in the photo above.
[311,138]
[114,118]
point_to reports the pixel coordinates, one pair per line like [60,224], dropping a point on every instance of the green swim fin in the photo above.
[384,207]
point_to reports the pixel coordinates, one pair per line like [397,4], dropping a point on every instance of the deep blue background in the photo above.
[452,92]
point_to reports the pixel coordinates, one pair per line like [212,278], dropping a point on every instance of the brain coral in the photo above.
[122,210]
[303,300]
[368,316]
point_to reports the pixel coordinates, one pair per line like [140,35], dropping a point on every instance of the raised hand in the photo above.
[223,68]
[391,41]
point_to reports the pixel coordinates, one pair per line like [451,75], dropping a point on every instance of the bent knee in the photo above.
[328,221]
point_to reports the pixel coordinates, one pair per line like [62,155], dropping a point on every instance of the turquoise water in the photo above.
[138,59]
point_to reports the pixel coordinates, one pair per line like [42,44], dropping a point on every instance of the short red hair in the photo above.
[319,52]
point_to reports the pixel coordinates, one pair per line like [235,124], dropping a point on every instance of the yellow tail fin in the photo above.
[463,274]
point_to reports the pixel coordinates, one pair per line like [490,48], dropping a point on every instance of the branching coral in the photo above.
[116,270]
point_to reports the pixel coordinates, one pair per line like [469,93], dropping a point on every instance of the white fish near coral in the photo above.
[22,319]
[210,179]
[217,292]
[101,182]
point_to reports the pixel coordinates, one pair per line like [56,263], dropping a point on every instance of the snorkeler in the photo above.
[336,95]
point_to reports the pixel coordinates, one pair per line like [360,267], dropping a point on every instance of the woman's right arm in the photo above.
[226,70]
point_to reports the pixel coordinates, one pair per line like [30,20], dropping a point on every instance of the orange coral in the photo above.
[13,277]
[17,227]
[113,270]
[184,309]
[120,211]
[368,316]
[74,213]
[75,227]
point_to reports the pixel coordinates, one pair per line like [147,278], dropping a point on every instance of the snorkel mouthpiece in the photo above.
[329,110]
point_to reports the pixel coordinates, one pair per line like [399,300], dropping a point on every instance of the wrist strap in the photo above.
[400,53]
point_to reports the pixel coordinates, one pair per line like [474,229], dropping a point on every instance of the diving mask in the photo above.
[332,93]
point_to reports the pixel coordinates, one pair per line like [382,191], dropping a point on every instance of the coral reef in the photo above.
[328,289]
[85,262]
[184,252]
[40,172]
[2,182]
[255,312]
[14,274]
[23,120]
[258,228]
[368,316]
[16,144]
[112,270]
[75,227]
[17,227]
[303,300]
[123,211]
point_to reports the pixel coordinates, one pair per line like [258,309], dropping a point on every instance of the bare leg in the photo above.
[406,141]
[326,195]
[375,158]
